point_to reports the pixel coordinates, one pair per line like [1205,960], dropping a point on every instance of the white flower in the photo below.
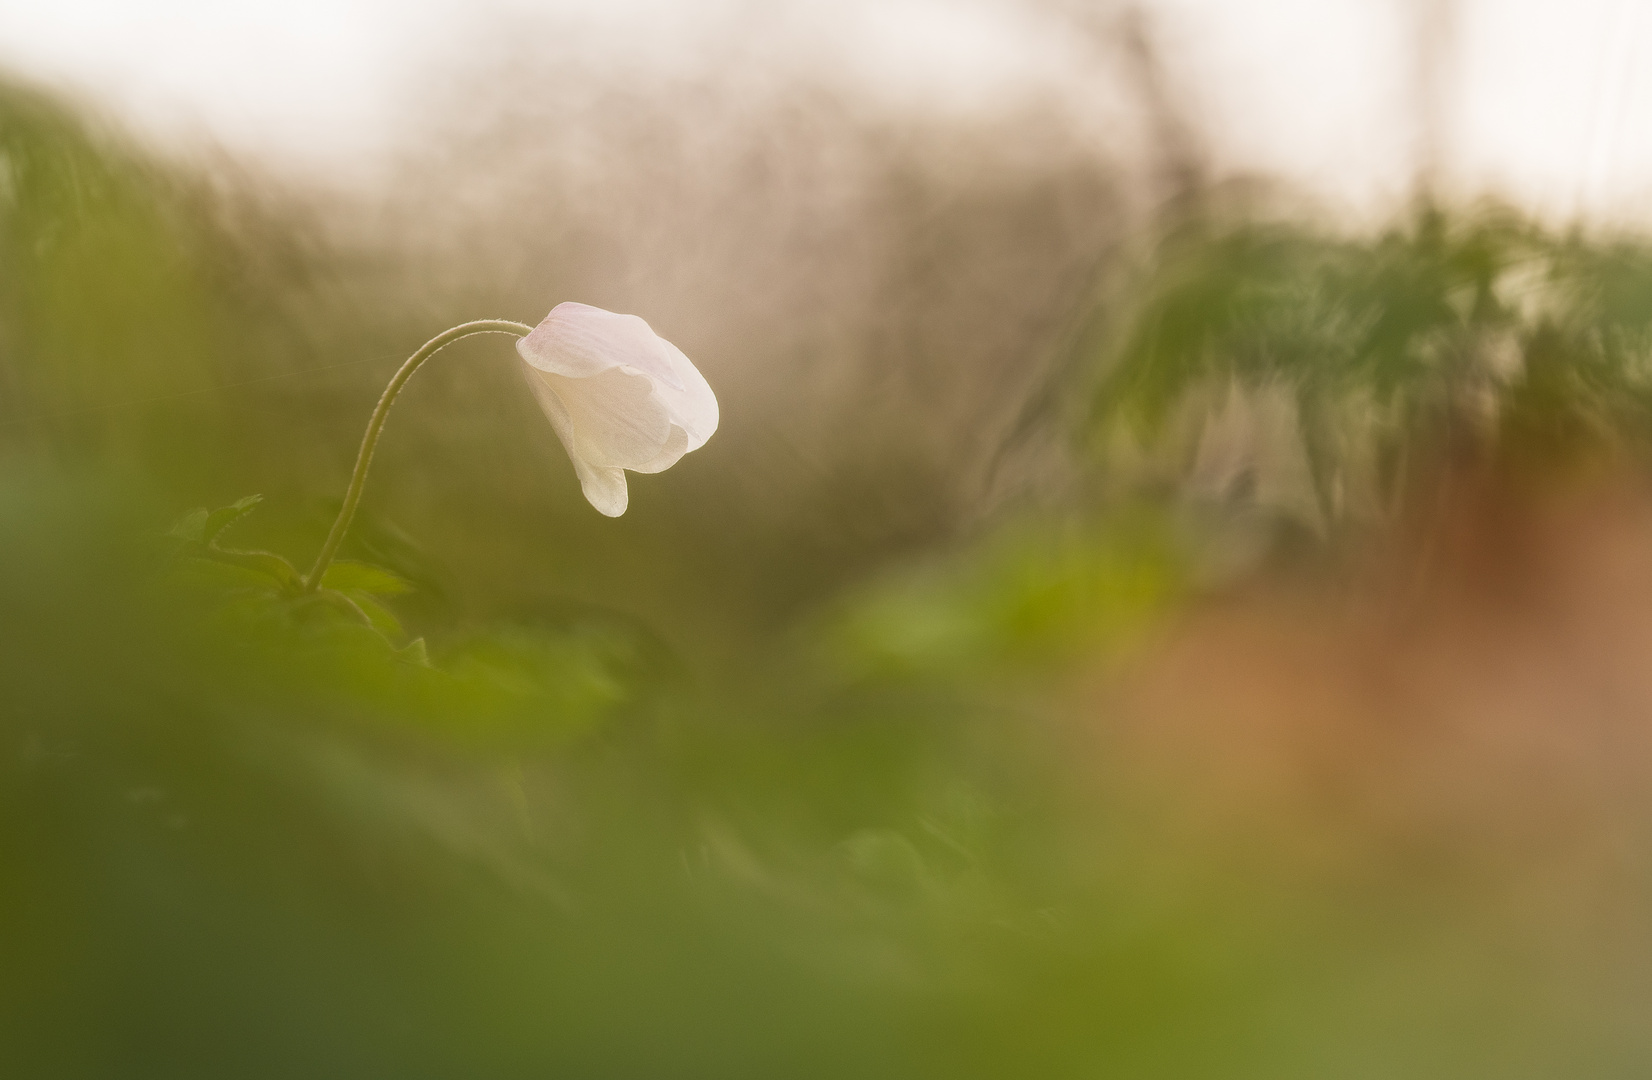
[619,396]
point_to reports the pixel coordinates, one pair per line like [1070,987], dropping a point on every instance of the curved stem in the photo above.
[369,440]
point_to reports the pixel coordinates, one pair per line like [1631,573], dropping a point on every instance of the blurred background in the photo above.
[1170,595]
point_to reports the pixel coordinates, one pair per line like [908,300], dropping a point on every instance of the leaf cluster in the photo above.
[1478,329]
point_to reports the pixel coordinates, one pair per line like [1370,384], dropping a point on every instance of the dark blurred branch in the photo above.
[1179,170]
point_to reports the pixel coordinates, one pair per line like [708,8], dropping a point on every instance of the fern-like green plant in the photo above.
[1258,350]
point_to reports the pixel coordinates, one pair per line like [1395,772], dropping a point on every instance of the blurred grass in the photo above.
[810,777]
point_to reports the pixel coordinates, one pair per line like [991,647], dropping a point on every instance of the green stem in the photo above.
[369,440]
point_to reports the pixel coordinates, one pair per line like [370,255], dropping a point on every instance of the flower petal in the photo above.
[551,406]
[604,487]
[578,341]
[676,445]
[690,403]
[616,419]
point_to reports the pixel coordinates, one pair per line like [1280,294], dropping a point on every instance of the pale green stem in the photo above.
[364,459]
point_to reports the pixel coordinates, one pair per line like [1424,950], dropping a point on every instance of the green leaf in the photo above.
[262,562]
[222,518]
[353,577]
[414,652]
[206,572]
[192,526]
[378,616]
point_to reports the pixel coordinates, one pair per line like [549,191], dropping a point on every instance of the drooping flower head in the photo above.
[618,395]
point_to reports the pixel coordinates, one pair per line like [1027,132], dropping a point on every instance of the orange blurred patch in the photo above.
[1476,695]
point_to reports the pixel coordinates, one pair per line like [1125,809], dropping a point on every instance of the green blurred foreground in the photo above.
[703,793]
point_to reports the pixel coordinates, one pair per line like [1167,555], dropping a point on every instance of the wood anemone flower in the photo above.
[618,395]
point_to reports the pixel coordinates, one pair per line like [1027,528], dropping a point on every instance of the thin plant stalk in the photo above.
[375,425]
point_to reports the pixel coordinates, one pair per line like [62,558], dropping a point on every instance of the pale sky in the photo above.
[1550,103]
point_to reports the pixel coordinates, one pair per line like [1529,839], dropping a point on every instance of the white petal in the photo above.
[551,406]
[604,487]
[578,341]
[675,447]
[691,404]
[617,420]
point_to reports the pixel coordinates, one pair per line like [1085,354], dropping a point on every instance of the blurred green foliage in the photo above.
[1044,596]
[520,797]
[1449,331]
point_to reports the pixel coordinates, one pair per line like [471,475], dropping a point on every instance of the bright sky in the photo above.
[1551,101]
